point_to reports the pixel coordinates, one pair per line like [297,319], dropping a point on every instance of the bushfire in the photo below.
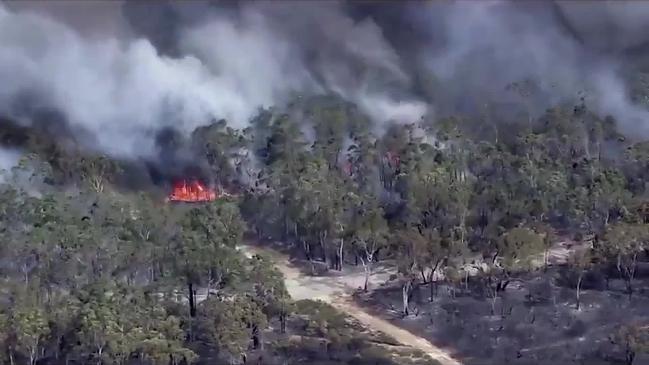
[192,191]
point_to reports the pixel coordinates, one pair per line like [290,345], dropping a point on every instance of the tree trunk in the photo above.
[367,278]
[545,259]
[26,275]
[209,284]
[192,304]
[629,287]
[366,262]
[504,285]
[433,281]
[285,235]
[423,276]
[340,254]
[323,237]
[59,346]
[493,293]
[630,355]
[406,290]
[494,298]
[295,229]
[282,323]
[307,250]
[631,274]
[256,340]
[579,291]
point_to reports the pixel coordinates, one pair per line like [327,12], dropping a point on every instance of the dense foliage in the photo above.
[91,274]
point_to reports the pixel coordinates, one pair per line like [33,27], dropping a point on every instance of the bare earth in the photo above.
[337,290]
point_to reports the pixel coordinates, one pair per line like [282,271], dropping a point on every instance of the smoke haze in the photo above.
[487,45]
[8,159]
[121,71]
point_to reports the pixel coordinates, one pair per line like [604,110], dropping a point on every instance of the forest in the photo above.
[389,183]
[98,268]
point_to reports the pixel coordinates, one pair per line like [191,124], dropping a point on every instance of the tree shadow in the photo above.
[535,322]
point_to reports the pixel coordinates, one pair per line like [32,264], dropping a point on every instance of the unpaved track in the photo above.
[404,337]
[336,291]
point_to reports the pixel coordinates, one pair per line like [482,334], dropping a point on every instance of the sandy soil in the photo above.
[403,336]
[337,290]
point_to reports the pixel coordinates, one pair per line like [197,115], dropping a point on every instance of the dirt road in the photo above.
[336,291]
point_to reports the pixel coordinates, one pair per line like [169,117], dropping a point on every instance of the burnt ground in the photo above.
[545,330]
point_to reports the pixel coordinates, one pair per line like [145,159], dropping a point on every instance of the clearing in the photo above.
[337,290]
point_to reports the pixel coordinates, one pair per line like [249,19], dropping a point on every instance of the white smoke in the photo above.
[253,61]
[488,45]
[613,99]
[8,159]
[379,107]
[121,90]
[266,52]
[606,24]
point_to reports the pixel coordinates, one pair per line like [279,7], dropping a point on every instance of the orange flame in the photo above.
[192,191]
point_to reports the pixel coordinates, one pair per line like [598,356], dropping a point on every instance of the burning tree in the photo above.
[192,191]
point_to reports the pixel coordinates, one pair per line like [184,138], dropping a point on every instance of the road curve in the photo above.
[336,292]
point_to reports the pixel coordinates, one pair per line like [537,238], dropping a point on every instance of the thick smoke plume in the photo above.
[122,75]
[486,46]
[122,89]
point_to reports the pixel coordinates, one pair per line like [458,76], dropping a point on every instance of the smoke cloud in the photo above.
[142,67]
[556,47]
[122,90]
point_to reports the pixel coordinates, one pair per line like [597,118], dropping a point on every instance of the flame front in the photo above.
[192,191]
